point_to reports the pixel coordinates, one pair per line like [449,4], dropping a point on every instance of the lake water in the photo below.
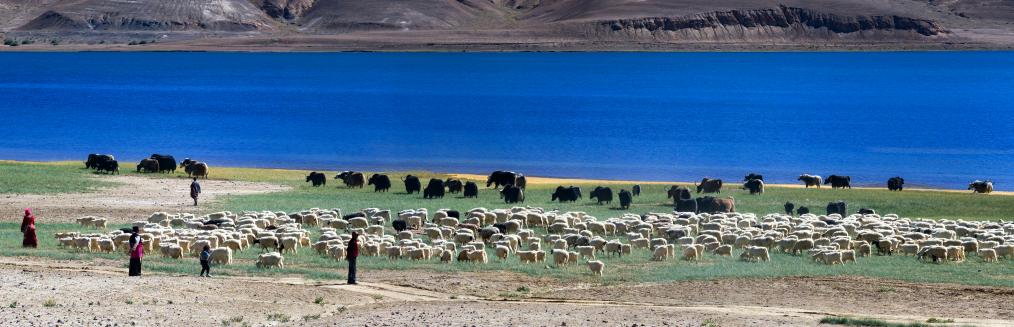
[936,118]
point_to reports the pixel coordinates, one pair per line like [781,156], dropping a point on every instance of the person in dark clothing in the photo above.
[351,257]
[28,229]
[205,264]
[136,252]
[195,190]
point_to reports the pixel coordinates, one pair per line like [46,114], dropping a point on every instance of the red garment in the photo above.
[138,252]
[28,228]
[353,247]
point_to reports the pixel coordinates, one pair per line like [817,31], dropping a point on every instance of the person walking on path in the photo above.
[205,264]
[195,190]
[28,229]
[351,257]
[136,252]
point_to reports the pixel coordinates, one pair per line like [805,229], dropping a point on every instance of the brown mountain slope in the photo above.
[147,15]
[519,24]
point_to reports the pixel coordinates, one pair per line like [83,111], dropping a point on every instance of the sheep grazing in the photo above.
[394,252]
[936,253]
[1004,251]
[560,257]
[337,252]
[755,253]
[613,247]
[848,255]
[272,259]
[289,244]
[660,253]
[221,256]
[107,245]
[172,251]
[987,255]
[268,243]
[690,253]
[478,256]
[596,267]
[502,252]
[587,252]
[234,245]
[724,250]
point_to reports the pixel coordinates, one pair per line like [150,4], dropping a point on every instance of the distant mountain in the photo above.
[513,24]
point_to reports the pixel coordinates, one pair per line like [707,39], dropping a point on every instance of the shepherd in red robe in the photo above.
[28,228]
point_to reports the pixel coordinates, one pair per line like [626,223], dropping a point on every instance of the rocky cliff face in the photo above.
[783,21]
[286,9]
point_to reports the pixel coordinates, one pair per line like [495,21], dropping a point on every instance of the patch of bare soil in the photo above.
[838,295]
[132,199]
[98,294]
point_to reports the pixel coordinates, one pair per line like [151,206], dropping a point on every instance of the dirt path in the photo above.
[89,293]
[133,198]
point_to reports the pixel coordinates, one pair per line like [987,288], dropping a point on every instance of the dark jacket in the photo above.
[353,247]
[195,189]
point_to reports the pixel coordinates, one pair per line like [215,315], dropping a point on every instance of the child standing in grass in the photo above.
[205,264]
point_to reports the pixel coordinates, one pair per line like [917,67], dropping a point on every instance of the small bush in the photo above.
[709,323]
[129,301]
[939,321]
[319,300]
[377,297]
[279,317]
[341,309]
[13,305]
[234,321]
[523,289]
[311,317]
[867,322]
[49,303]
[10,42]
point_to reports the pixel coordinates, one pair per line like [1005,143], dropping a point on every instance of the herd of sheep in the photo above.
[535,235]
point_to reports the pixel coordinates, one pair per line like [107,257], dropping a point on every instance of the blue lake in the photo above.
[938,119]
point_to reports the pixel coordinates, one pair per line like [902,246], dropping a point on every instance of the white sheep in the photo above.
[528,256]
[987,255]
[724,250]
[268,243]
[289,244]
[107,245]
[560,257]
[660,253]
[690,253]
[596,267]
[502,252]
[272,259]
[478,256]
[222,255]
[586,251]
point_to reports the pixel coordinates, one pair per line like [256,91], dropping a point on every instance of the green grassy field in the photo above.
[653,199]
[70,177]
[633,268]
[45,178]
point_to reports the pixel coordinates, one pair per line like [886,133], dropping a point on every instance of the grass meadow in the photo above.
[71,177]
[632,268]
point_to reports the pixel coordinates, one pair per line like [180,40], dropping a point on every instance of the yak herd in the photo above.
[512,190]
[156,163]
